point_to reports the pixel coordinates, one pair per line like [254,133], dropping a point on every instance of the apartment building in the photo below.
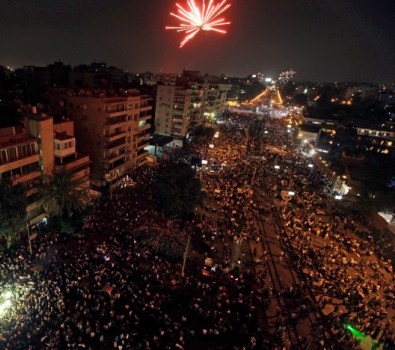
[377,138]
[112,128]
[32,152]
[362,91]
[21,163]
[180,108]
[66,157]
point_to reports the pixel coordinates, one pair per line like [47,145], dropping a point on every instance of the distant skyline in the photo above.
[326,40]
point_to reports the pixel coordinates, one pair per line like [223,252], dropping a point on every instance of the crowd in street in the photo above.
[105,290]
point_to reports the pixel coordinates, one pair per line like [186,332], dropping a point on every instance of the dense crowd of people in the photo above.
[107,290]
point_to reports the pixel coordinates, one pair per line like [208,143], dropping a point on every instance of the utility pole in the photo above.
[185,254]
[28,237]
[253,176]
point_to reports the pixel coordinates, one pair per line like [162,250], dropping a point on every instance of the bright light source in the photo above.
[6,302]
[204,161]
[276,167]
[4,306]
[338,197]
[310,165]
[7,295]
[211,145]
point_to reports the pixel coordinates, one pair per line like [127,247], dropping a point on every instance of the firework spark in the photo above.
[194,18]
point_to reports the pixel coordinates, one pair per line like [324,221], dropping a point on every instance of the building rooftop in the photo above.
[61,136]
[15,141]
[160,140]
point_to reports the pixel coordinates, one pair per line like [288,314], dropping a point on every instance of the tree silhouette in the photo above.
[179,191]
[63,197]
[12,210]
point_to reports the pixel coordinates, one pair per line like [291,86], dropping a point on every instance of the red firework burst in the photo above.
[194,18]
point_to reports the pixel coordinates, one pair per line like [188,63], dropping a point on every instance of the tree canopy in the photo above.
[63,197]
[178,190]
[12,210]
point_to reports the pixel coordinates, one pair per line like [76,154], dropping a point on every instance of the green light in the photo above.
[365,342]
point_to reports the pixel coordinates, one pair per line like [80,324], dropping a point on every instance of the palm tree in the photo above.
[63,196]
[12,211]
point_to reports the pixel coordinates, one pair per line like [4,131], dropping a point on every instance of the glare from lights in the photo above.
[6,303]
[4,307]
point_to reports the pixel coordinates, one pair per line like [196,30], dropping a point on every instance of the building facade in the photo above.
[32,153]
[112,128]
[180,108]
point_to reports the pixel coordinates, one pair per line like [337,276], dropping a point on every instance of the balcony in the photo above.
[141,154]
[80,161]
[117,120]
[178,123]
[142,145]
[140,162]
[20,179]
[115,135]
[145,108]
[61,153]
[121,142]
[31,191]
[112,159]
[144,127]
[19,163]
[144,117]
[33,206]
[177,133]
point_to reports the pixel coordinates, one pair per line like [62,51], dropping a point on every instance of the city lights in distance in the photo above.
[194,18]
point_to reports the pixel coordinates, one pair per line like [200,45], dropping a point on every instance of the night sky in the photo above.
[322,40]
